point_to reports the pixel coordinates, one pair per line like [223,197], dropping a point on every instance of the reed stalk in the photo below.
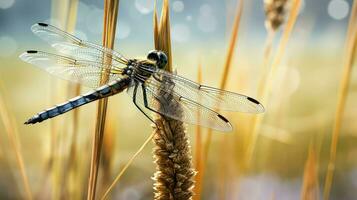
[198,153]
[70,163]
[227,66]
[59,12]
[266,59]
[310,187]
[110,21]
[224,79]
[349,58]
[172,155]
[107,152]
[265,91]
[64,12]
[12,133]
[232,44]
[164,45]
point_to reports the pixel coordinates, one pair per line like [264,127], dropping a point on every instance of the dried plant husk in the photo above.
[274,13]
[172,152]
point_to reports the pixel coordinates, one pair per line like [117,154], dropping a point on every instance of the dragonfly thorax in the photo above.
[129,69]
[140,70]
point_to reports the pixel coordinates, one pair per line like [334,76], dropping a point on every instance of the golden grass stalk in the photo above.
[198,153]
[110,21]
[116,180]
[349,58]
[265,91]
[310,186]
[107,152]
[232,44]
[227,66]
[199,147]
[12,134]
[162,35]
[174,173]
[60,12]
[224,79]
[126,166]
[267,55]
[66,13]
[71,161]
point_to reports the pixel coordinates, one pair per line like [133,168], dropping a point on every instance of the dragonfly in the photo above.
[151,88]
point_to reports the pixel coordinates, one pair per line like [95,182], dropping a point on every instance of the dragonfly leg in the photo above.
[146,100]
[134,101]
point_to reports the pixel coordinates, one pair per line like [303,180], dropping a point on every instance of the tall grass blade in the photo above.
[265,92]
[108,150]
[70,163]
[349,58]
[198,153]
[59,14]
[310,187]
[224,78]
[110,21]
[116,180]
[12,133]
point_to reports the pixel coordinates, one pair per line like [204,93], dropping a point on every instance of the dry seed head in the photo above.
[172,155]
[172,152]
[275,13]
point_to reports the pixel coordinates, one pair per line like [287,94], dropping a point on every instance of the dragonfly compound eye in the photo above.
[159,57]
[153,55]
[162,59]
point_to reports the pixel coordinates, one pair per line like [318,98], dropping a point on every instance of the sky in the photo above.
[192,21]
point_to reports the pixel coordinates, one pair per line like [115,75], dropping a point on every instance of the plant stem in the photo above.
[12,133]
[110,19]
[349,59]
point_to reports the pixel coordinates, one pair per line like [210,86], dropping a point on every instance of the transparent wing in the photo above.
[205,95]
[80,71]
[179,108]
[75,47]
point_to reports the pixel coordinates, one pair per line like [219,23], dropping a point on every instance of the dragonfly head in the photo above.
[159,57]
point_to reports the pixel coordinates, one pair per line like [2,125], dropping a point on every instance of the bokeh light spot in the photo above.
[207,23]
[83,12]
[338,9]
[94,21]
[178,6]
[8,46]
[206,10]
[180,32]
[5,4]
[144,6]
[123,30]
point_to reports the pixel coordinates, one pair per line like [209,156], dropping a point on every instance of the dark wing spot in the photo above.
[253,100]
[42,24]
[223,118]
[31,51]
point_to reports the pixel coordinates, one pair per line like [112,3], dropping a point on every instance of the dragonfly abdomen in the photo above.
[101,92]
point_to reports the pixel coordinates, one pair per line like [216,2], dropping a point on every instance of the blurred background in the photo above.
[293,142]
